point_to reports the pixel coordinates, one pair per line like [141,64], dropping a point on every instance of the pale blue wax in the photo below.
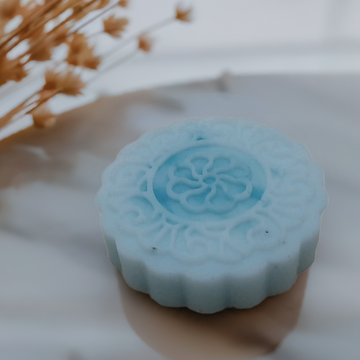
[212,213]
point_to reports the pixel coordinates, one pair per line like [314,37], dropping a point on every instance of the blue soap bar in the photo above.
[212,213]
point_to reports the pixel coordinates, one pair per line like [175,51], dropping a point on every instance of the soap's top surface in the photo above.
[212,189]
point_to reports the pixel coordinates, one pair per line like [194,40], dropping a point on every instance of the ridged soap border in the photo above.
[145,272]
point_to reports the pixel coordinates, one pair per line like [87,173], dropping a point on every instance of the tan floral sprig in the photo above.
[183,14]
[80,53]
[44,26]
[115,26]
[65,82]
[145,43]
[42,116]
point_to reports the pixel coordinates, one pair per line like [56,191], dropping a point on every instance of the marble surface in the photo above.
[61,299]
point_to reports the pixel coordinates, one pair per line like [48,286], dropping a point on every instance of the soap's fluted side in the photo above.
[212,213]
[218,293]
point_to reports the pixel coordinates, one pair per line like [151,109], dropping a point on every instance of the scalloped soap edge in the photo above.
[178,290]
[226,291]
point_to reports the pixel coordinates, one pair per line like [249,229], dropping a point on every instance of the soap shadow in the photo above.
[181,334]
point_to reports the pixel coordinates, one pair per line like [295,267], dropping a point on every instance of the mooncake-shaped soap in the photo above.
[212,213]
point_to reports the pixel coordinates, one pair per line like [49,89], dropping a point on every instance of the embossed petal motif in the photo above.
[209,182]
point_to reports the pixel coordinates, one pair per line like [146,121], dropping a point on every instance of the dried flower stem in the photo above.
[39,104]
[131,38]
[38,14]
[71,17]
[96,17]
[41,43]
[114,64]
[127,41]
[5,120]
[8,117]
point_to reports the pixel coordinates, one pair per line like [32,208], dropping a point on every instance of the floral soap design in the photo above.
[212,213]
[209,182]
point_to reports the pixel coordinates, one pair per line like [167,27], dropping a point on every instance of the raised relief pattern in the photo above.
[199,194]
[209,183]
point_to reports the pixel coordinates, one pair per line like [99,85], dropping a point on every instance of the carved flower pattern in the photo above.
[208,183]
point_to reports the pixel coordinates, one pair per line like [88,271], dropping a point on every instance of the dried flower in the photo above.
[66,82]
[28,9]
[32,31]
[60,36]
[145,43]
[36,35]
[183,14]
[82,8]
[115,26]
[11,70]
[123,3]
[9,9]
[77,44]
[80,53]
[42,52]
[103,3]
[88,60]
[42,116]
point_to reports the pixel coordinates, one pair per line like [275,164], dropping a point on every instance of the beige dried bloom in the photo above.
[9,9]
[29,8]
[115,26]
[123,3]
[11,70]
[36,35]
[88,60]
[42,116]
[81,54]
[103,3]
[77,44]
[60,36]
[42,52]
[44,43]
[183,14]
[42,39]
[65,82]
[145,43]
[82,8]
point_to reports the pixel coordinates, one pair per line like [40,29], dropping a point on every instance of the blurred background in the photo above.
[238,37]
[242,37]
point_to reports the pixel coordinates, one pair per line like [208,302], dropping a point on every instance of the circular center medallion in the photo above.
[209,183]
